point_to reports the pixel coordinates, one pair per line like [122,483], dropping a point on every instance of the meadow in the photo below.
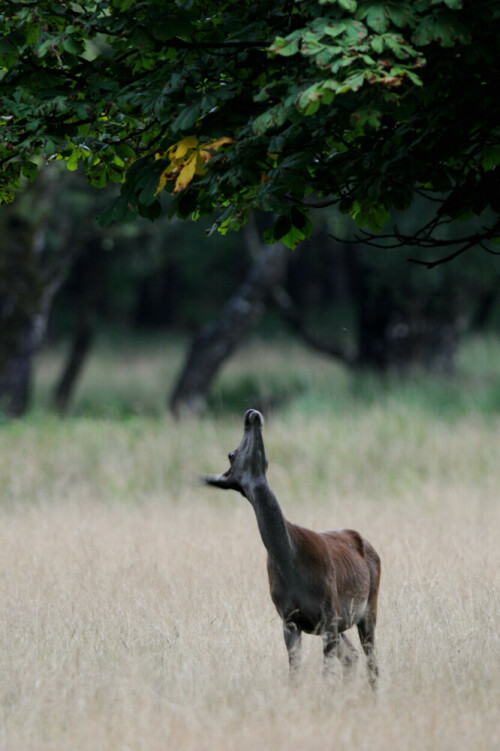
[135,612]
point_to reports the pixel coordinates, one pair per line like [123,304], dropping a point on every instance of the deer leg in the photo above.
[347,654]
[330,651]
[366,631]
[293,641]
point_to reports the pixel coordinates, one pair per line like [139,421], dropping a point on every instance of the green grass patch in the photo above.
[134,378]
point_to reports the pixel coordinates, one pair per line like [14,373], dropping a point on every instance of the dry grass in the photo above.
[134,604]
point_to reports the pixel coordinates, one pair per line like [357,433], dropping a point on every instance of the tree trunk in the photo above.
[80,348]
[401,327]
[484,310]
[15,376]
[285,305]
[89,271]
[401,323]
[28,283]
[218,340]
[16,363]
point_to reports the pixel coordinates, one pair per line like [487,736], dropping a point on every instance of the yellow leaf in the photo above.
[207,149]
[186,174]
[200,170]
[181,148]
[163,181]
[187,159]
[218,143]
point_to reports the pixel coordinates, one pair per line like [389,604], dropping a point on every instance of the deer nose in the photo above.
[231,455]
[253,415]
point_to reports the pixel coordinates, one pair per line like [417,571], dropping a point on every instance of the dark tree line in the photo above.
[64,277]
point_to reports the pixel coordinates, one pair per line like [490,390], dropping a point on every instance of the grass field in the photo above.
[135,612]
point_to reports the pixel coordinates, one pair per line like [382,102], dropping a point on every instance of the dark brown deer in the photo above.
[320,582]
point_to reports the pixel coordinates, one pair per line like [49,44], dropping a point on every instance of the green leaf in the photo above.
[32,32]
[372,215]
[285,46]
[400,16]
[124,151]
[490,157]
[147,187]
[187,117]
[272,118]
[72,46]
[9,52]
[151,211]
[348,5]
[99,178]
[6,195]
[431,29]
[30,170]
[376,18]
[72,162]
[49,148]
[311,96]
[301,221]
[333,29]
[292,238]
[278,230]
[367,116]
[377,44]
[122,209]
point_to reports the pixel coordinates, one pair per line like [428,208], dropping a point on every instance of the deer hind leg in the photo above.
[366,631]
[347,654]
[293,641]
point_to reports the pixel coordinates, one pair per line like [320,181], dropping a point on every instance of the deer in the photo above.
[321,583]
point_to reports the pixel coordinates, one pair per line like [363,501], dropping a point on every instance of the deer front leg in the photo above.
[347,654]
[330,651]
[293,641]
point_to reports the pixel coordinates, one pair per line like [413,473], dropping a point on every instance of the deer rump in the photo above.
[330,562]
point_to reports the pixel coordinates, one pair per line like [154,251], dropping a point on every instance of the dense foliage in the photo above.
[261,104]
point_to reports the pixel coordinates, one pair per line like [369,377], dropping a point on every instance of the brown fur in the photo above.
[320,582]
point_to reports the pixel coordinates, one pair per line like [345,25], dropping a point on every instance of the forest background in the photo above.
[135,608]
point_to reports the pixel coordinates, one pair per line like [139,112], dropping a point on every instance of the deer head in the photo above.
[248,462]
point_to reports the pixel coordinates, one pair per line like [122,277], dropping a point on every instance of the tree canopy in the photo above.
[280,106]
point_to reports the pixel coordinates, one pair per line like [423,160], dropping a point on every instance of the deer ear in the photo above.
[218,481]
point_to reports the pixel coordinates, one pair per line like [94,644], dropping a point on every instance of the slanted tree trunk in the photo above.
[90,292]
[28,283]
[218,340]
[19,350]
[79,351]
[292,315]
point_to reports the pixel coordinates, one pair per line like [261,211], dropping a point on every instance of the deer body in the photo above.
[320,582]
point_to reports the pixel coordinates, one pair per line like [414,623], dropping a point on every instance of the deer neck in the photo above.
[273,526]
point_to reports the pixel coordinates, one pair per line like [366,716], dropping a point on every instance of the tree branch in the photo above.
[285,305]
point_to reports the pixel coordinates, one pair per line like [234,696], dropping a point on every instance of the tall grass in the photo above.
[135,611]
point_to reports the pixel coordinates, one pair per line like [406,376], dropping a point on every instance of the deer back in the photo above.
[333,574]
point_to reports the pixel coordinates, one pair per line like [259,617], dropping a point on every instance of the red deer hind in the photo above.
[320,582]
